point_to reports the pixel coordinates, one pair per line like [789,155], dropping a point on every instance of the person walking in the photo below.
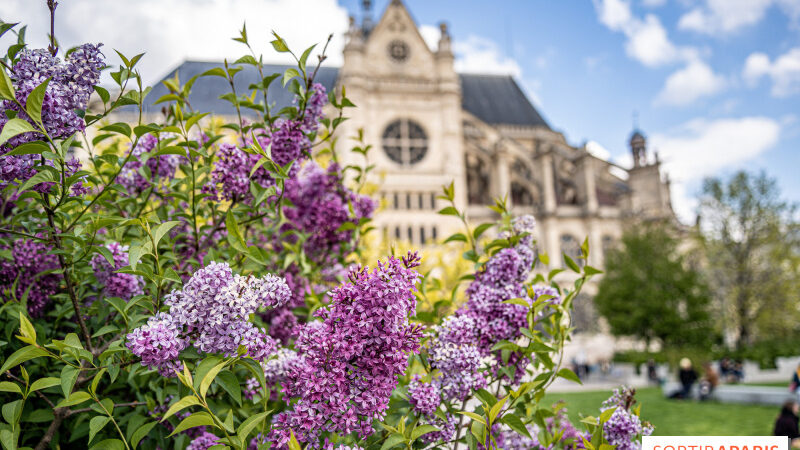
[794,386]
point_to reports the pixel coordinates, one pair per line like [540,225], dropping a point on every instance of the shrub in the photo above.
[189,284]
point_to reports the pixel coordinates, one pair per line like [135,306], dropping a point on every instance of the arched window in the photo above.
[477,182]
[521,195]
[405,142]
[572,248]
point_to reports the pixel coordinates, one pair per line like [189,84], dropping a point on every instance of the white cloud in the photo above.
[430,34]
[596,149]
[477,54]
[718,17]
[171,31]
[784,71]
[649,44]
[648,41]
[702,148]
[686,85]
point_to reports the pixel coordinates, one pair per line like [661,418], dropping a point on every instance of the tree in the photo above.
[750,239]
[650,293]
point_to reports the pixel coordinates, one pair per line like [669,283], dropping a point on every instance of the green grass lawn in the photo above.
[680,417]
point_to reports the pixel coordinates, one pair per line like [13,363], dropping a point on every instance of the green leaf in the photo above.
[518,301]
[230,383]
[33,104]
[135,255]
[162,229]
[279,44]
[6,87]
[516,424]
[12,411]
[68,376]
[42,177]
[44,383]
[205,383]
[14,127]
[96,424]
[216,71]
[20,356]
[422,430]
[8,386]
[109,444]
[119,127]
[473,416]
[393,440]
[605,415]
[480,229]
[74,399]
[293,444]
[571,264]
[29,148]
[140,433]
[569,375]
[449,211]
[8,440]
[197,419]
[26,327]
[289,74]
[251,422]
[497,408]
[458,237]
[234,235]
[185,402]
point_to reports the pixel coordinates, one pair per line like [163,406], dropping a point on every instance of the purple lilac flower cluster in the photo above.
[321,204]
[212,312]
[624,428]
[464,340]
[287,142]
[122,285]
[558,425]
[424,397]
[70,86]
[204,441]
[275,371]
[24,274]
[501,279]
[161,167]
[455,354]
[353,356]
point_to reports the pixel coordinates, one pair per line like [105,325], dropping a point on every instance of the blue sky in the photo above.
[590,65]
[716,83]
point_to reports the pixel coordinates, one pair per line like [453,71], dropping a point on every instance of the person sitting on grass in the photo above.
[687,377]
[786,424]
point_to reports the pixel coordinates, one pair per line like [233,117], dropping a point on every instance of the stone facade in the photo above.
[394,78]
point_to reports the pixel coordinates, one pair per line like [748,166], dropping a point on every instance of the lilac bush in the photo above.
[197,282]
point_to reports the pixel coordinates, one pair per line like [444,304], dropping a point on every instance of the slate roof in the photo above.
[495,99]
[498,99]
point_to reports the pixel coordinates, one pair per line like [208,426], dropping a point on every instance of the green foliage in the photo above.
[750,238]
[69,378]
[650,292]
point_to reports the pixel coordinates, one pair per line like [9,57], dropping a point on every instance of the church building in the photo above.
[432,125]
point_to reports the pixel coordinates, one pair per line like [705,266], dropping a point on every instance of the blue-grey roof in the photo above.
[206,90]
[495,99]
